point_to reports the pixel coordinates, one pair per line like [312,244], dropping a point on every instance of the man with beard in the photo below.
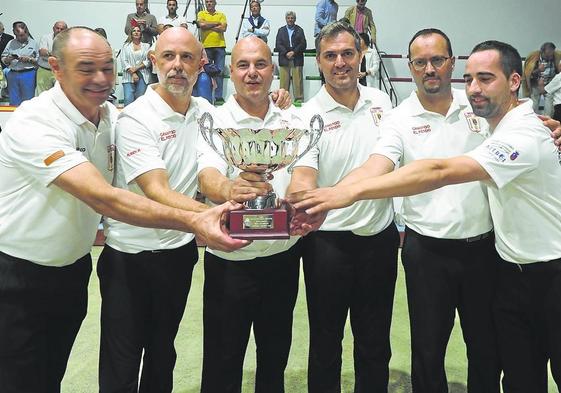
[145,274]
[522,171]
[56,166]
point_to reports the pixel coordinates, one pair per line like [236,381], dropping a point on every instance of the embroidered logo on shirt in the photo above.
[421,129]
[332,126]
[377,114]
[500,151]
[473,122]
[110,157]
[166,135]
[53,157]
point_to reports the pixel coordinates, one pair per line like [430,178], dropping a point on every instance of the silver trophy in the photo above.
[260,151]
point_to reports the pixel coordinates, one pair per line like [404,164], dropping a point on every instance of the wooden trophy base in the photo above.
[261,224]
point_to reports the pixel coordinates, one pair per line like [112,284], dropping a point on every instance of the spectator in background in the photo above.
[101,31]
[20,55]
[553,90]
[291,44]
[539,69]
[171,18]
[370,63]
[326,12]
[255,24]
[205,83]
[143,19]
[134,63]
[360,17]
[4,39]
[45,77]
[213,24]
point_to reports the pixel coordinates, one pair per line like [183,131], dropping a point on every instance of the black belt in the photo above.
[45,68]
[24,70]
[471,239]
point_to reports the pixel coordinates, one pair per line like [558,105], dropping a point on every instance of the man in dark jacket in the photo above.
[291,43]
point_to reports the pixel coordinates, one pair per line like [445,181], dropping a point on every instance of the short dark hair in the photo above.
[332,30]
[547,45]
[429,31]
[366,38]
[510,58]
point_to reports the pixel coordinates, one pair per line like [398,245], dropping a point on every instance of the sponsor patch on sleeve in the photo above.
[500,151]
[53,157]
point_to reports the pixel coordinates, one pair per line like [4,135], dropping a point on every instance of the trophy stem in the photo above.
[268,201]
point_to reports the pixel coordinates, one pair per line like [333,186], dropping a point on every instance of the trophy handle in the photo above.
[208,133]
[314,133]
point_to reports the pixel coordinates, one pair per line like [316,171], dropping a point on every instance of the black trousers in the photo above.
[528,317]
[345,272]
[143,300]
[443,276]
[238,294]
[41,310]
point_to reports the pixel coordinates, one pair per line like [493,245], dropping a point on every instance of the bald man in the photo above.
[257,288]
[145,274]
[45,77]
[56,168]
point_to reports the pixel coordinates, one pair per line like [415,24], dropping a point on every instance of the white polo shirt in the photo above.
[346,143]
[232,115]
[409,133]
[525,198]
[150,135]
[45,137]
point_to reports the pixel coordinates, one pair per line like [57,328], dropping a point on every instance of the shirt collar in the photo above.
[327,103]
[239,115]
[63,103]
[459,102]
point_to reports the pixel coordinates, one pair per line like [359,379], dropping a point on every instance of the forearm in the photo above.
[302,179]
[415,178]
[214,185]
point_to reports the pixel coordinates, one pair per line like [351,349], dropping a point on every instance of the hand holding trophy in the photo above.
[260,151]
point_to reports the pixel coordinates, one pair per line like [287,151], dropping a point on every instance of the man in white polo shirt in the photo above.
[56,166]
[156,141]
[257,286]
[171,18]
[522,171]
[350,264]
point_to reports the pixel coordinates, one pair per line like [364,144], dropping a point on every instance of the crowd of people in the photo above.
[487,249]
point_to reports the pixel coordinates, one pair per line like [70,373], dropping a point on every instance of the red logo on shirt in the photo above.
[166,135]
[332,126]
[133,152]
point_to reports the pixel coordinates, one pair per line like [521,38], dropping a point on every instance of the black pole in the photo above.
[241,20]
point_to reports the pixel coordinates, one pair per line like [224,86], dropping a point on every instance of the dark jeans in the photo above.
[346,273]
[218,57]
[41,310]
[238,295]
[443,276]
[528,317]
[143,300]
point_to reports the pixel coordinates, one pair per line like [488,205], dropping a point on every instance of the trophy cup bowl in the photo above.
[260,151]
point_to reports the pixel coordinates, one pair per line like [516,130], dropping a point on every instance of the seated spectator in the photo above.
[45,77]
[134,64]
[143,19]
[539,68]
[20,55]
[255,25]
[370,63]
[171,18]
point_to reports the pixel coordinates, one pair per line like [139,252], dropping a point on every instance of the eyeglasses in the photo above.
[421,64]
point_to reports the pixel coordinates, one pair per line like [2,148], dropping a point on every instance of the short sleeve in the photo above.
[508,155]
[390,143]
[43,151]
[137,148]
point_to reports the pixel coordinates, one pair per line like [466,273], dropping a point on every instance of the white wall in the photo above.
[524,24]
